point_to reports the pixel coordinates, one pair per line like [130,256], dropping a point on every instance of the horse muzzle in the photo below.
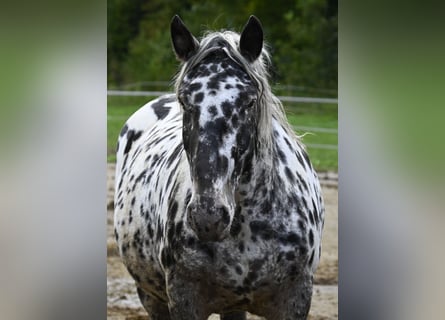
[209,219]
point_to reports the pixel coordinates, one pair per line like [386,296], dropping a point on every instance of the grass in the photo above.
[301,114]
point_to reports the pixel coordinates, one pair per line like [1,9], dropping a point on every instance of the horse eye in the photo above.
[251,103]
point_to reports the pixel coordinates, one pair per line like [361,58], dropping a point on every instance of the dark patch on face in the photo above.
[227,109]
[198,98]
[160,109]
[195,86]
[131,137]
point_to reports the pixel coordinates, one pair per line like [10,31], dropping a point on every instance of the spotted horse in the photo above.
[217,206]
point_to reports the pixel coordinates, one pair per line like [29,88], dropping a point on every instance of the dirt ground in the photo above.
[122,300]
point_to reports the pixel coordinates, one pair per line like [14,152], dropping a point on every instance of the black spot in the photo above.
[140,176]
[190,241]
[288,143]
[290,255]
[316,215]
[300,159]
[213,111]
[160,109]
[225,216]
[178,228]
[236,227]
[208,249]
[131,137]
[195,86]
[172,210]
[262,229]
[150,232]
[290,238]
[311,259]
[311,238]
[235,121]
[241,246]
[223,270]
[281,155]
[227,108]
[289,175]
[124,130]
[174,155]
[302,226]
[198,98]
[302,181]
[238,269]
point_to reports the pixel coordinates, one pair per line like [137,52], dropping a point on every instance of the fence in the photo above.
[132,93]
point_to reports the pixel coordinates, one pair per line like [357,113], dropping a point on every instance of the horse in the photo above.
[218,208]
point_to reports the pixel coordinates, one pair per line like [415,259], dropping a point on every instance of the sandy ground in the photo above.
[122,300]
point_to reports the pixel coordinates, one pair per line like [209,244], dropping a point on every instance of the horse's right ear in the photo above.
[184,43]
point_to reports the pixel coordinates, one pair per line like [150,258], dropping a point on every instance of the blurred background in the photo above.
[302,37]
[53,154]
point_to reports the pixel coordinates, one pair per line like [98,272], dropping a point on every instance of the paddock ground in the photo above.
[122,300]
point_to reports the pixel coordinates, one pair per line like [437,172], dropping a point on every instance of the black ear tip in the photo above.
[176,20]
[254,19]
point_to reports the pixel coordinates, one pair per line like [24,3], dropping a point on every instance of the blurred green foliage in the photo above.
[302,36]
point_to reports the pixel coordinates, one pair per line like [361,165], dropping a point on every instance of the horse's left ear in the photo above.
[251,41]
[184,43]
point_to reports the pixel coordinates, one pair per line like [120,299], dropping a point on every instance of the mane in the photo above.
[269,106]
